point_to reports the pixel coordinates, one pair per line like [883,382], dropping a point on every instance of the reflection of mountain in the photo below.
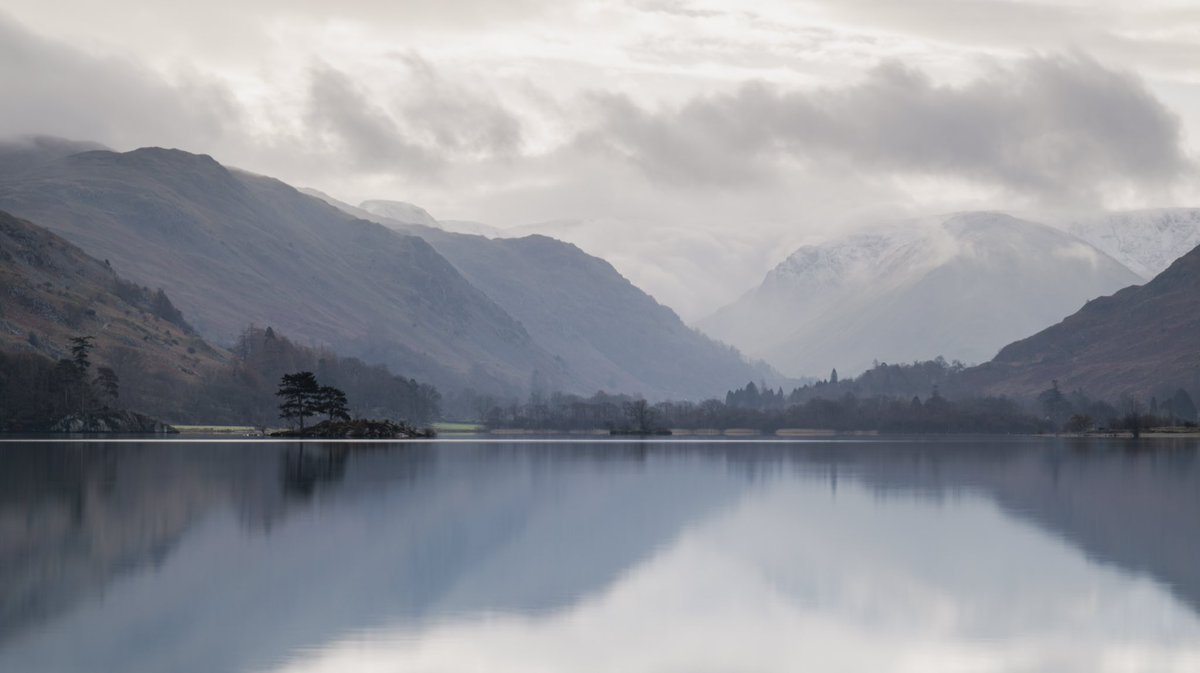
[407,533]
[216,547]
[75,517]
[1135,508]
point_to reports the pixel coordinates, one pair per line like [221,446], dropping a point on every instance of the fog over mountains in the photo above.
[961,286]
[234,249]
[506,314]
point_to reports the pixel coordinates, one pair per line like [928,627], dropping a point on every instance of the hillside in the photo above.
[50,291]
[582,310]
[1143,340]
[611,335]
[960,286]
[235,249]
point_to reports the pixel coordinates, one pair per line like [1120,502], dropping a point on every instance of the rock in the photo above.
[124,422]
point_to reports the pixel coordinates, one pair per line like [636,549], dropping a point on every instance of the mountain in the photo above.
[401,216]
[960,286]
[583,311]
[1142,340]
[401,212]
[610,334]
[692,269]
[1146,241]
[50,291]
[235,249]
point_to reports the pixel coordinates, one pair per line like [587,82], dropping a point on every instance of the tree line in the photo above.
[244,392]
[38,391]
[931,414]
[902,398]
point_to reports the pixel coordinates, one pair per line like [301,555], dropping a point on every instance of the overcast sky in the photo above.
[701,140]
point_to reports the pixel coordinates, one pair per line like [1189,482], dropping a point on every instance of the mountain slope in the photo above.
[614,335]
[234,249]
[1143,340]
[960,286]
[609,334]
[50,291]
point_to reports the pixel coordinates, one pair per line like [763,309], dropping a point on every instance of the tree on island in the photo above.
[108,383]
[81,349]
[299,392]
[332,402]
[303,396]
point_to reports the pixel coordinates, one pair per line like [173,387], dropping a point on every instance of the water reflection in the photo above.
[918,556]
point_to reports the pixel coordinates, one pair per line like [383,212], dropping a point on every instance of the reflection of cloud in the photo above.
[806,580]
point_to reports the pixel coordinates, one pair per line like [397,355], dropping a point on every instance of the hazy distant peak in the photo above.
[959,285]
[400,211]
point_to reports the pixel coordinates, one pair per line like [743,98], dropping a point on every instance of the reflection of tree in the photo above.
[305,467]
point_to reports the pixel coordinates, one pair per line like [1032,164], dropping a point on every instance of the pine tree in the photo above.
[299,392]
[107,382]
[332,402]
[81,349]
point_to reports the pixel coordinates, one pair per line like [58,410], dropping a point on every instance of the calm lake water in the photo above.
[907,555]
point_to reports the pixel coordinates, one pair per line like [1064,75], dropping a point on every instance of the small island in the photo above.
[303,397]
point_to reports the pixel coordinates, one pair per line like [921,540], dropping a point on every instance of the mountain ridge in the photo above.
[235,248]
[960,286]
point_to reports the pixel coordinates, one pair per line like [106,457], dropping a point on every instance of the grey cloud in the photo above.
[1138,34]
[457,118]
[1053,127]
[349,124]
[431,124]
[50,88]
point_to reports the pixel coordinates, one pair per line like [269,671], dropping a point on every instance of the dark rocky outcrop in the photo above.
[118,422]
[359,429]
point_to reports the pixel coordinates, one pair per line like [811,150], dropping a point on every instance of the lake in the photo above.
[872,554]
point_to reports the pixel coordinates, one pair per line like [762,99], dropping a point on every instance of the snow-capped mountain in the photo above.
[960,286]
[1146,241]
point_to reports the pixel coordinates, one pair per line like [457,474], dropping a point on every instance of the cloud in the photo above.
[700,143]
[357,131]
[1051,128]
[432,124]
[50,88]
